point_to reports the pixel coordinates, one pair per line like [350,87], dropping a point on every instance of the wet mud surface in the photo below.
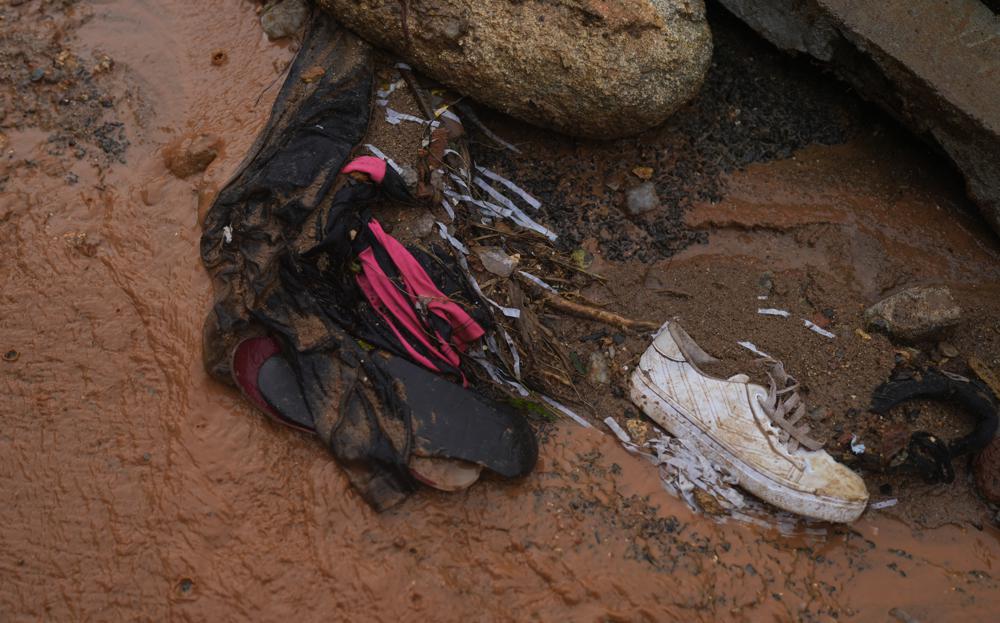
[137,488]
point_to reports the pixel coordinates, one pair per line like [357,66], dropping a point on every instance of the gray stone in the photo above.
[642,199]
[584,67]
[933,65]
[598,373]
[409,175]
[496,261]
[284,18]
[915,314]
[424,225]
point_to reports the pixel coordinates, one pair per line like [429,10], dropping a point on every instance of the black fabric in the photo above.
[281,244]
[279,385]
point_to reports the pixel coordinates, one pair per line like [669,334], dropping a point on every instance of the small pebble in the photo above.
[642,199]
[948,350]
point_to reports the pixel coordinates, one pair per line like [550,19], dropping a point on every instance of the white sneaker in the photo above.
[729,423]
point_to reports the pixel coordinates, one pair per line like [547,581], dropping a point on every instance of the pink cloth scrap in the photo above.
[395,306]
[374,167]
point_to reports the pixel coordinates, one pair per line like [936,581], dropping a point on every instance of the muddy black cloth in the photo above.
[927,454]
[279,243]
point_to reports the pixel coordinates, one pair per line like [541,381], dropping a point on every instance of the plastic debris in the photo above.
[499,377]
[378,154]
[683,470]
[510,312]
[538,282]
[753,349]
[513,353]
[812,326]
[566,411]
[383,94]
[517,216]
[447,208]
[771,311]
[453,241]
[492,192]
[496,261]
[531,201]
[394,117]
[227,234]
[618,431]
[857,447]
[883,504]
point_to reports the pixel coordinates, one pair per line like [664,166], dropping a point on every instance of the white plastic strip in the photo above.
[447,114]
[459,181]
[566,411]
[753,349]
[510,312]
[394,117]
[770,311]
[491,342]
[448,209]
[511,185]
[817,329]
[493,192]
[517,216]
[404,66]
[452,240]
[513,353]
[491,208]
[535,280]
[499,377]
[617,430]
[384,93]
[877,506]
[378,154]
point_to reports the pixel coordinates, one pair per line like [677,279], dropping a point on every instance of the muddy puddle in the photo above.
[137,488]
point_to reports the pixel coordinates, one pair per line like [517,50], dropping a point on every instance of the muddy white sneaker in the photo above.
[752,432]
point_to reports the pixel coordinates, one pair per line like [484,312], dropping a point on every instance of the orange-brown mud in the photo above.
[136,488]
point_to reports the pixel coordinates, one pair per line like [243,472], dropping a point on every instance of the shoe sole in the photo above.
[658,407]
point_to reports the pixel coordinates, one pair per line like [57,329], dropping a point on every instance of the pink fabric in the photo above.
[374,167]
[395,306]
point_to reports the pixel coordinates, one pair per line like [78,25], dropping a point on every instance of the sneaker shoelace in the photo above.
[785,408]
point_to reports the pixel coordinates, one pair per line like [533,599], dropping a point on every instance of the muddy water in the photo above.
[136,488]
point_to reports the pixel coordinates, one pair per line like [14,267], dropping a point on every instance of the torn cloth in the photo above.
[283,242]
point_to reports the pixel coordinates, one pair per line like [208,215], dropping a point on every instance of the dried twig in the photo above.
[585,311]
[579,310]
[418,93]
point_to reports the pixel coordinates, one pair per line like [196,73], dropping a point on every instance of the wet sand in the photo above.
[137,488]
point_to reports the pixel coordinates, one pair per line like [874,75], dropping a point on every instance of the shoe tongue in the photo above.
[280,387]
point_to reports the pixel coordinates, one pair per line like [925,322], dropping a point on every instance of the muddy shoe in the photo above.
[753,432]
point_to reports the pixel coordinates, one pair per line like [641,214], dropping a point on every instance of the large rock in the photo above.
[914,314]
[585,67]
[932,64]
